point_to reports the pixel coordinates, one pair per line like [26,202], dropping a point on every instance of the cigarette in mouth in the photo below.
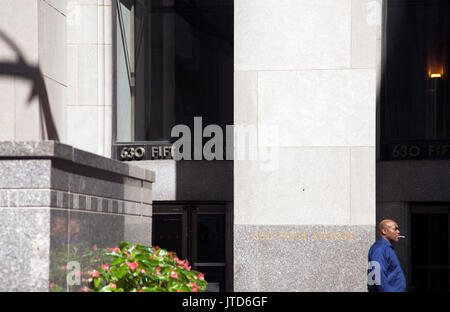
[401,236]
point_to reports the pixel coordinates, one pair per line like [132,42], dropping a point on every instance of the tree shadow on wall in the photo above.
[26,71]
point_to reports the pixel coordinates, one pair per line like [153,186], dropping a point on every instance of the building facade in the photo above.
[282,201]
[412,159]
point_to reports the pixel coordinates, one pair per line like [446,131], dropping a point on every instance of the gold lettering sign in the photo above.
[303,236]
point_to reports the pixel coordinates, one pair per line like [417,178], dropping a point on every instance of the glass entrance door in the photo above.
[199,232]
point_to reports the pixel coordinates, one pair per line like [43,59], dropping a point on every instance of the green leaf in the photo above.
[123,245]
[117,261]
[123,270]
[98,281]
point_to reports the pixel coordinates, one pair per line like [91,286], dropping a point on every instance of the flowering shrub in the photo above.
[87,256]
[139,268]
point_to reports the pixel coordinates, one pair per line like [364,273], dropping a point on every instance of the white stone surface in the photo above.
[108,131]
[57,100]
[87,75]
[107,13]
[366,24]
[108,72]
[292,34]
[7,108]
[29,123]
[60,5]
[164,187]
[18,21]
[90,70]
[245,109]
[80,132]
[318,107]
[246,98]
[52,43]
[362,187]
[309,186]
[72,75]
[84,27]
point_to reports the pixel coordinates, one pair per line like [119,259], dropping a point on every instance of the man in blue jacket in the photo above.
[384,272]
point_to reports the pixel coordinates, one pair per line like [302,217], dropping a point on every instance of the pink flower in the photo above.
[158,270]
[52,285]
[194,287]
[85,289]
[170,255]
[179,290]
[127,253]
[94,273]
[112,285]
[105,267]
[132,265]
[94,248]
[201,276]
[142,271]
[140,290]
[64,267]
[173,274]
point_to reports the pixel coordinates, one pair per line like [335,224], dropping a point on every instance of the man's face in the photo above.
[391,232]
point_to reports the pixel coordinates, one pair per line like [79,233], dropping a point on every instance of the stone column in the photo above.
[305,96]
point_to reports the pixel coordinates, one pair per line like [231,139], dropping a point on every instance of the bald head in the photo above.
[388,229]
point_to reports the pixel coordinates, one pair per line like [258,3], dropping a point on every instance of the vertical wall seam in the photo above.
[257,261]
[257,111]
[15,108]
[350,185]
[351,34]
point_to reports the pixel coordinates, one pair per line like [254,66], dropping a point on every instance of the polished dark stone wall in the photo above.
[414,180]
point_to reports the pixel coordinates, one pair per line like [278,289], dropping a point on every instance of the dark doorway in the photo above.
[430,248]
[200,232]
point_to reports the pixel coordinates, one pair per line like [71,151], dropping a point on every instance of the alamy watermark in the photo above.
[373,273]
[239,142]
